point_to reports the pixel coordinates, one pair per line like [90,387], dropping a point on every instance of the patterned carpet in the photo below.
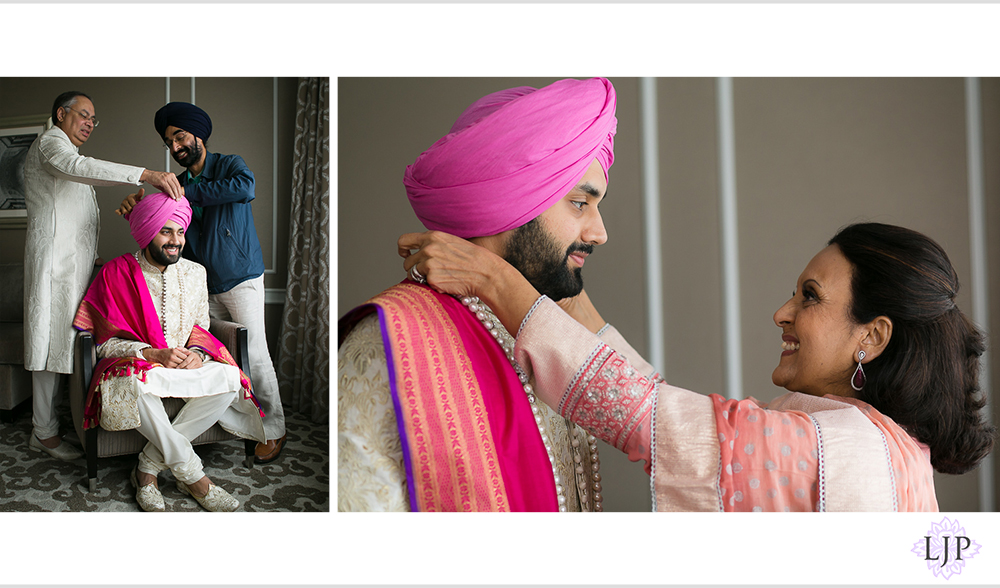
[298,481]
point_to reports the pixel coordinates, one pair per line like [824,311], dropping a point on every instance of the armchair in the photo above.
[15,381]
[100,443]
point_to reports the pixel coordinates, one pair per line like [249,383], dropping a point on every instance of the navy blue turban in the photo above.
[184,116]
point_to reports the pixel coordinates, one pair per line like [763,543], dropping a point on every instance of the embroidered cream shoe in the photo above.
[63,451]
[217,499]
[148,496]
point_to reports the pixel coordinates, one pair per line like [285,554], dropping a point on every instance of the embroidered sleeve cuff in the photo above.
[612,400]
[585,380]
[612,337]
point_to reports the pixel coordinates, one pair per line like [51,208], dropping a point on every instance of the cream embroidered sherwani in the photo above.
[180,296]
[371,475]
[61,243]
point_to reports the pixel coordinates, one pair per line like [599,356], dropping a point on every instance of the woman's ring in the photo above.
[416,276]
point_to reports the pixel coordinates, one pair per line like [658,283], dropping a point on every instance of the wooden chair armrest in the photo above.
[84,354]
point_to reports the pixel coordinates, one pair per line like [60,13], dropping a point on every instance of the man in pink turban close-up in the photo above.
[434,415]
[148,313]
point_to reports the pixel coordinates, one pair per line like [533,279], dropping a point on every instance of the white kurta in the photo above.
[61,243]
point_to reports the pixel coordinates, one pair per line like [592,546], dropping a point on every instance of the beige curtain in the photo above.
[304,355]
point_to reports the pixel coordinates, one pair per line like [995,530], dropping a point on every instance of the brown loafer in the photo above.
[269,451]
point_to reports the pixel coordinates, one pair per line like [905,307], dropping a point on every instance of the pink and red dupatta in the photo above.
[118,304]
[469,438]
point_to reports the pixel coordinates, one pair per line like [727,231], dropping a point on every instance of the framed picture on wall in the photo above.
[14,144]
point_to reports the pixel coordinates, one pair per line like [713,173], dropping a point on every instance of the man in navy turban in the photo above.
[184,117]
[222,237]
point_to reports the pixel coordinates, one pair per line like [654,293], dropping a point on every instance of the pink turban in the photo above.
[512,155]
[152,212]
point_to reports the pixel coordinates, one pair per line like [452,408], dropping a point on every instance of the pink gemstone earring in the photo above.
[858,379]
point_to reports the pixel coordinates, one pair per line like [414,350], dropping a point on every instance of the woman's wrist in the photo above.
[509,295]
[583,311]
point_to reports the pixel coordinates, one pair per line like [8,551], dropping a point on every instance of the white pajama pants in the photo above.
[244,304]
[45,388]
[170,442]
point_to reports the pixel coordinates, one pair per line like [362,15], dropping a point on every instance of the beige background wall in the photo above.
[252,117]
[811,156]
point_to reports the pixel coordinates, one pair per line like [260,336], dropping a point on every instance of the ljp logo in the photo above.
[946,548]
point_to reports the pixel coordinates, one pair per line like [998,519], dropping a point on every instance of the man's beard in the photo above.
[192,157]
[533,252]
[160,257]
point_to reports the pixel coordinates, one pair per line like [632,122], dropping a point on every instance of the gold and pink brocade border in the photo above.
[454,462]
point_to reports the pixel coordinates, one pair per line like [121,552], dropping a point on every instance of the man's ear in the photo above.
[876,337]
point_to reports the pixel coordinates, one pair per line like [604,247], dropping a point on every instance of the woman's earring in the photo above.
[858,379]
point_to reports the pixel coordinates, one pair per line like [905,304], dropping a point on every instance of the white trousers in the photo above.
[45,395]
[244,304]
[170,442]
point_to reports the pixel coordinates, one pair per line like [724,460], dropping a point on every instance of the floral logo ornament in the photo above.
[946,547]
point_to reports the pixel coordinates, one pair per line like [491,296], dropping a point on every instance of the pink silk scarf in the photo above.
[512,155]
[470,442]
[118,304]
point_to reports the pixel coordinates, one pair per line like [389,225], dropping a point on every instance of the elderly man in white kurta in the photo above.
[148,312]
[60,250]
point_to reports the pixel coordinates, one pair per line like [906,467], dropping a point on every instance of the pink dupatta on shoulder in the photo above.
[118,304]
[468,435]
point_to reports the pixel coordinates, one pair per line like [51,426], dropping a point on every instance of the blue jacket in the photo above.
[225,239]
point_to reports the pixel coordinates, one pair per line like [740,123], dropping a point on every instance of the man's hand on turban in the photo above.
[164,182]
[458,267]
[129,203]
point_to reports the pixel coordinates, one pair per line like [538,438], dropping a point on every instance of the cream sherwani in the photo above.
[371,475]
[61,244]
[212,392]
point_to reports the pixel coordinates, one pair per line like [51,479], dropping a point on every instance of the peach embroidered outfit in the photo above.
[706,453]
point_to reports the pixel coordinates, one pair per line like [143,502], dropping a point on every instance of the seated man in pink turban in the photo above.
[434,414]
[148,312]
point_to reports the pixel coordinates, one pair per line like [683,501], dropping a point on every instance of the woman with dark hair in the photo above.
[881,366]
[927,380]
